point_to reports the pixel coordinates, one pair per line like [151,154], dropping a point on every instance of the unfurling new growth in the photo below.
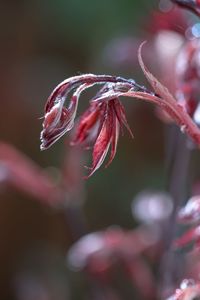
[104,118]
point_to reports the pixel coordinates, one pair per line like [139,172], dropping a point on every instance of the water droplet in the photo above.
[186,283]
[183,127]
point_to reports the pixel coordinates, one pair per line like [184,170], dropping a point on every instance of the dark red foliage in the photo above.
[106,115]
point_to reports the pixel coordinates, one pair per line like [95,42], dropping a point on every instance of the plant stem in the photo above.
[178,162]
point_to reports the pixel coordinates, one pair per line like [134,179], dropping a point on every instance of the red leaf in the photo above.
[121,116]
[187,238]
[102,143]
[86,123]
[115,133]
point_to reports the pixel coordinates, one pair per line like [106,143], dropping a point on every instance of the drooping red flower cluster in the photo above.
[108,117]
[105,116]
[101,122]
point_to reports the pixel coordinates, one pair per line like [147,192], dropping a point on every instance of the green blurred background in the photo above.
[43,42]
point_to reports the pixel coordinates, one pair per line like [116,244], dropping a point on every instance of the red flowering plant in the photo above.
[99,127]
[161,252]
[106,114]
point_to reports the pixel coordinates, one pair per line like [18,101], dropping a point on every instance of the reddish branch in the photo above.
[100,124]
